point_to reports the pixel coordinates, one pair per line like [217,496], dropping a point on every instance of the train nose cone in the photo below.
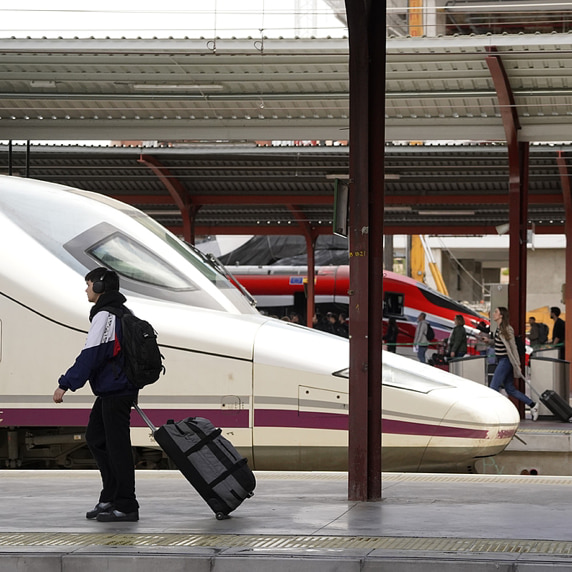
[479,422]
[489,422]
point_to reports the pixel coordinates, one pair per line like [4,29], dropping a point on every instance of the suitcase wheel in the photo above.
[222,516]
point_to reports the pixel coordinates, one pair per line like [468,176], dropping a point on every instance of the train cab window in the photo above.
[393,304]
[162,273]
[132,260]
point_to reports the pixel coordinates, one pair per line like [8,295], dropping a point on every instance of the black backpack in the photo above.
[430,333]
[143,358]
[542,333]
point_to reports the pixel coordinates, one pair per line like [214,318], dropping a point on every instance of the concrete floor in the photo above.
[295,521]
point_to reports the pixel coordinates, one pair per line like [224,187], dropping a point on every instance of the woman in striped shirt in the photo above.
[508,360]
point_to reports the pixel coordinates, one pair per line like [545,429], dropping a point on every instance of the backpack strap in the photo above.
[119,312]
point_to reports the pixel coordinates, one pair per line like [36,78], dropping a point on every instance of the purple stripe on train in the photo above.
[285,418]
[80,417]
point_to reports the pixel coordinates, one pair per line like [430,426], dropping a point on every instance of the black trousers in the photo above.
[109,440]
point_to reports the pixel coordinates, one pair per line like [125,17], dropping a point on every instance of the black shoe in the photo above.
[98,508]
[118,516]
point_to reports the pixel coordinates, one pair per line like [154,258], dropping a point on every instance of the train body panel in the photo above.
[279,391]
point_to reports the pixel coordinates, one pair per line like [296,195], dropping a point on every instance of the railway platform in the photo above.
[543,447]
[295,522]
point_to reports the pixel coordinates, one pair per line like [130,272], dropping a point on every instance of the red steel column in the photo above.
[311,290]
[311,236]
[518,223]
[518,201]
[366,24]
[566,182]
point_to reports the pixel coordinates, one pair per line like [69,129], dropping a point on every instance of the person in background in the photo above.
[331,323]
[458,338]
[391,334]
[319,322]
[558,331]
[534,332]
[342,328]
[508,360]
[420,342]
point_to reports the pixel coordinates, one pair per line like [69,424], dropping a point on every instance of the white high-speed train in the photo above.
[278,390]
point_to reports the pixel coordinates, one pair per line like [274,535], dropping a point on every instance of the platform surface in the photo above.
[295,521]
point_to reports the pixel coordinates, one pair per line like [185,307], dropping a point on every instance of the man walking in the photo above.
[108,430]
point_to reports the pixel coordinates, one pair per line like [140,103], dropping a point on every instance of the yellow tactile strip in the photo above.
[542,431]
[470,479]
[290,543]
[563,480]
[321,476]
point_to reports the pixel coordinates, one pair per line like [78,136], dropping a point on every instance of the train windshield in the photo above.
[84,230]
[132,260]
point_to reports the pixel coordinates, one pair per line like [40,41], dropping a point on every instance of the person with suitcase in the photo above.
[108,431]
[508,360]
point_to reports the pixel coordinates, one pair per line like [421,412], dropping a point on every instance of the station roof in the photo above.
[438,88]
[240,90]
[245,189]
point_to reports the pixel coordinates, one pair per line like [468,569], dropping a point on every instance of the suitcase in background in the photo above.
[557,405]
[208,460]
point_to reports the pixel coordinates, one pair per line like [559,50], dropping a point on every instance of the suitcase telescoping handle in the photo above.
[531,387]
[144,417]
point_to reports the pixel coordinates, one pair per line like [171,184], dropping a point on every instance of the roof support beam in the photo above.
[366,24]
[311,236]
[518,158]
[504,199]
[552,199]
[291,230]
[233,199]
[566,180]
[178,194]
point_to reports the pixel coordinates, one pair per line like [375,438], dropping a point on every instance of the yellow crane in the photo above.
[420,252]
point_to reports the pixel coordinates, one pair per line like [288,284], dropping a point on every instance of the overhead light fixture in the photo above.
[177,86]
[447,213]
[386,176]
[165,212]
[339,176]
[502,228]
[397,209]
[41,83]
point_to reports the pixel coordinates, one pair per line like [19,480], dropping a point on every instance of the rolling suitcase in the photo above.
[209,461]
[557,405]
[554,402]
